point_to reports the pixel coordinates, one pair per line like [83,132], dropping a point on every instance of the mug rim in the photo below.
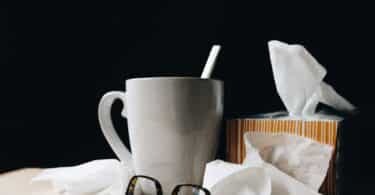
[171,78]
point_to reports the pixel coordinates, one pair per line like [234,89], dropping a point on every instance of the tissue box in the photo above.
[326,131]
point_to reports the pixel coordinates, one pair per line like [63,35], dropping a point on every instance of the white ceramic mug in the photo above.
[173,126]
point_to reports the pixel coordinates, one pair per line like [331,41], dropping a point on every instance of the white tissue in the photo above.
[253,177]
[249,181]
[299,80]
[217,170]
[283,184]
[99,177]
[223,178]
[302,158]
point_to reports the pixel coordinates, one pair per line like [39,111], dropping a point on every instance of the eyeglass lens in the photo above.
[143,186]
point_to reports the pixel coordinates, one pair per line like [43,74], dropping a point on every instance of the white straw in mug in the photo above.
[210,64]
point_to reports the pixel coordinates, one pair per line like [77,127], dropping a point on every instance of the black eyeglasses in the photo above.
[140,183]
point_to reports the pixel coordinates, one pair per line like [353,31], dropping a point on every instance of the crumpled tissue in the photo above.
[253,177]
[304,159]
[98,177]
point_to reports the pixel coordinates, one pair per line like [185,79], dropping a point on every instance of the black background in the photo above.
[57,60]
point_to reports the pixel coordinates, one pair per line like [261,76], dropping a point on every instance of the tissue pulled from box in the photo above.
[299,80]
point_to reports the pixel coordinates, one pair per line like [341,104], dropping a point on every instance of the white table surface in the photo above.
[18,183]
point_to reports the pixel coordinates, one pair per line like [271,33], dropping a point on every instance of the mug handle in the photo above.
[105,121]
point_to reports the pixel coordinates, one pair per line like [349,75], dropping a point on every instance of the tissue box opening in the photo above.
[321,130]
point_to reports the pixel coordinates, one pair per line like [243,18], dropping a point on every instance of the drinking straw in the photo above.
[211,61]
